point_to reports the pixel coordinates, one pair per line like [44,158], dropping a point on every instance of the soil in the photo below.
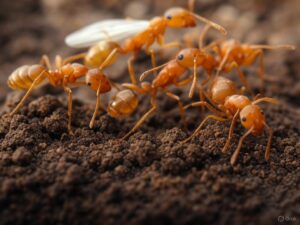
[93,177]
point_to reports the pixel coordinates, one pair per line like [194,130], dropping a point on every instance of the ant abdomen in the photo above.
[23,77]
[221,88]
[99,52]
[122,104]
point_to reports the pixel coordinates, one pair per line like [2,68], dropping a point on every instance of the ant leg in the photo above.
[261,70]
[33,85]
[223,62]
[268,148]
[115,85]
[70,106]
[173,44]
[180,105]
[202,36]
[183,82]
[202,95]
[188,40]
[144,117]
[92,122]
[45,61]
[244,80]
[153,61]
[232,126]
[215,46]
[131,69]
[205,104]
[109,59]
[201,125]
[194,83]
[237,151]
[191,5]
[133,87]
[73,58]
[58,61]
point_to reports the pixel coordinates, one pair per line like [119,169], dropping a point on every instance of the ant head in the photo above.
[95,78]
[252,116]
[179,18]
[186,57]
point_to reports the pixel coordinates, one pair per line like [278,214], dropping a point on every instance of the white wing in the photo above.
[114,30]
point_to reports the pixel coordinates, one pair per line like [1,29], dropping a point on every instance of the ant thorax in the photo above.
[236,102]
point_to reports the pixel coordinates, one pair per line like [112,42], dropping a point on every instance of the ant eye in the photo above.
[262,112]
[180,57]
[89,84]
[244,119]
[169,17]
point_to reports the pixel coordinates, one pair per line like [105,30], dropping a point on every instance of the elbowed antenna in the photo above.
[146,73]
[266,99]
[211,23]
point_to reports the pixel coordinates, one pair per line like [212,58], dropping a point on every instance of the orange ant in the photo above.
[233,54]
[65,75]
[231,104]
[190,58]
[169,75]
[173,18]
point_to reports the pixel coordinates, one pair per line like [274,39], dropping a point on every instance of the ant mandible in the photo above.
[229,104]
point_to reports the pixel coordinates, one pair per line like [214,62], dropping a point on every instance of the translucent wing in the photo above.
[114,30]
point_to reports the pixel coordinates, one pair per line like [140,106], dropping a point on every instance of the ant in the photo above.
[169,75]
[65,75]
[234,54]
[154,32]
[228,103]
[191,58]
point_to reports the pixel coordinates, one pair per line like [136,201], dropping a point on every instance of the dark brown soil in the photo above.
[93,177]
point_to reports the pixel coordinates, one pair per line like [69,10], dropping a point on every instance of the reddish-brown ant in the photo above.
[65,75]
[231,105]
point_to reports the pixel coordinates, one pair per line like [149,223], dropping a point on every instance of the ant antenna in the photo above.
[212,24]
[266,99]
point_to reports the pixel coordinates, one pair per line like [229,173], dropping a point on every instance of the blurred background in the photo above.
[30,28]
